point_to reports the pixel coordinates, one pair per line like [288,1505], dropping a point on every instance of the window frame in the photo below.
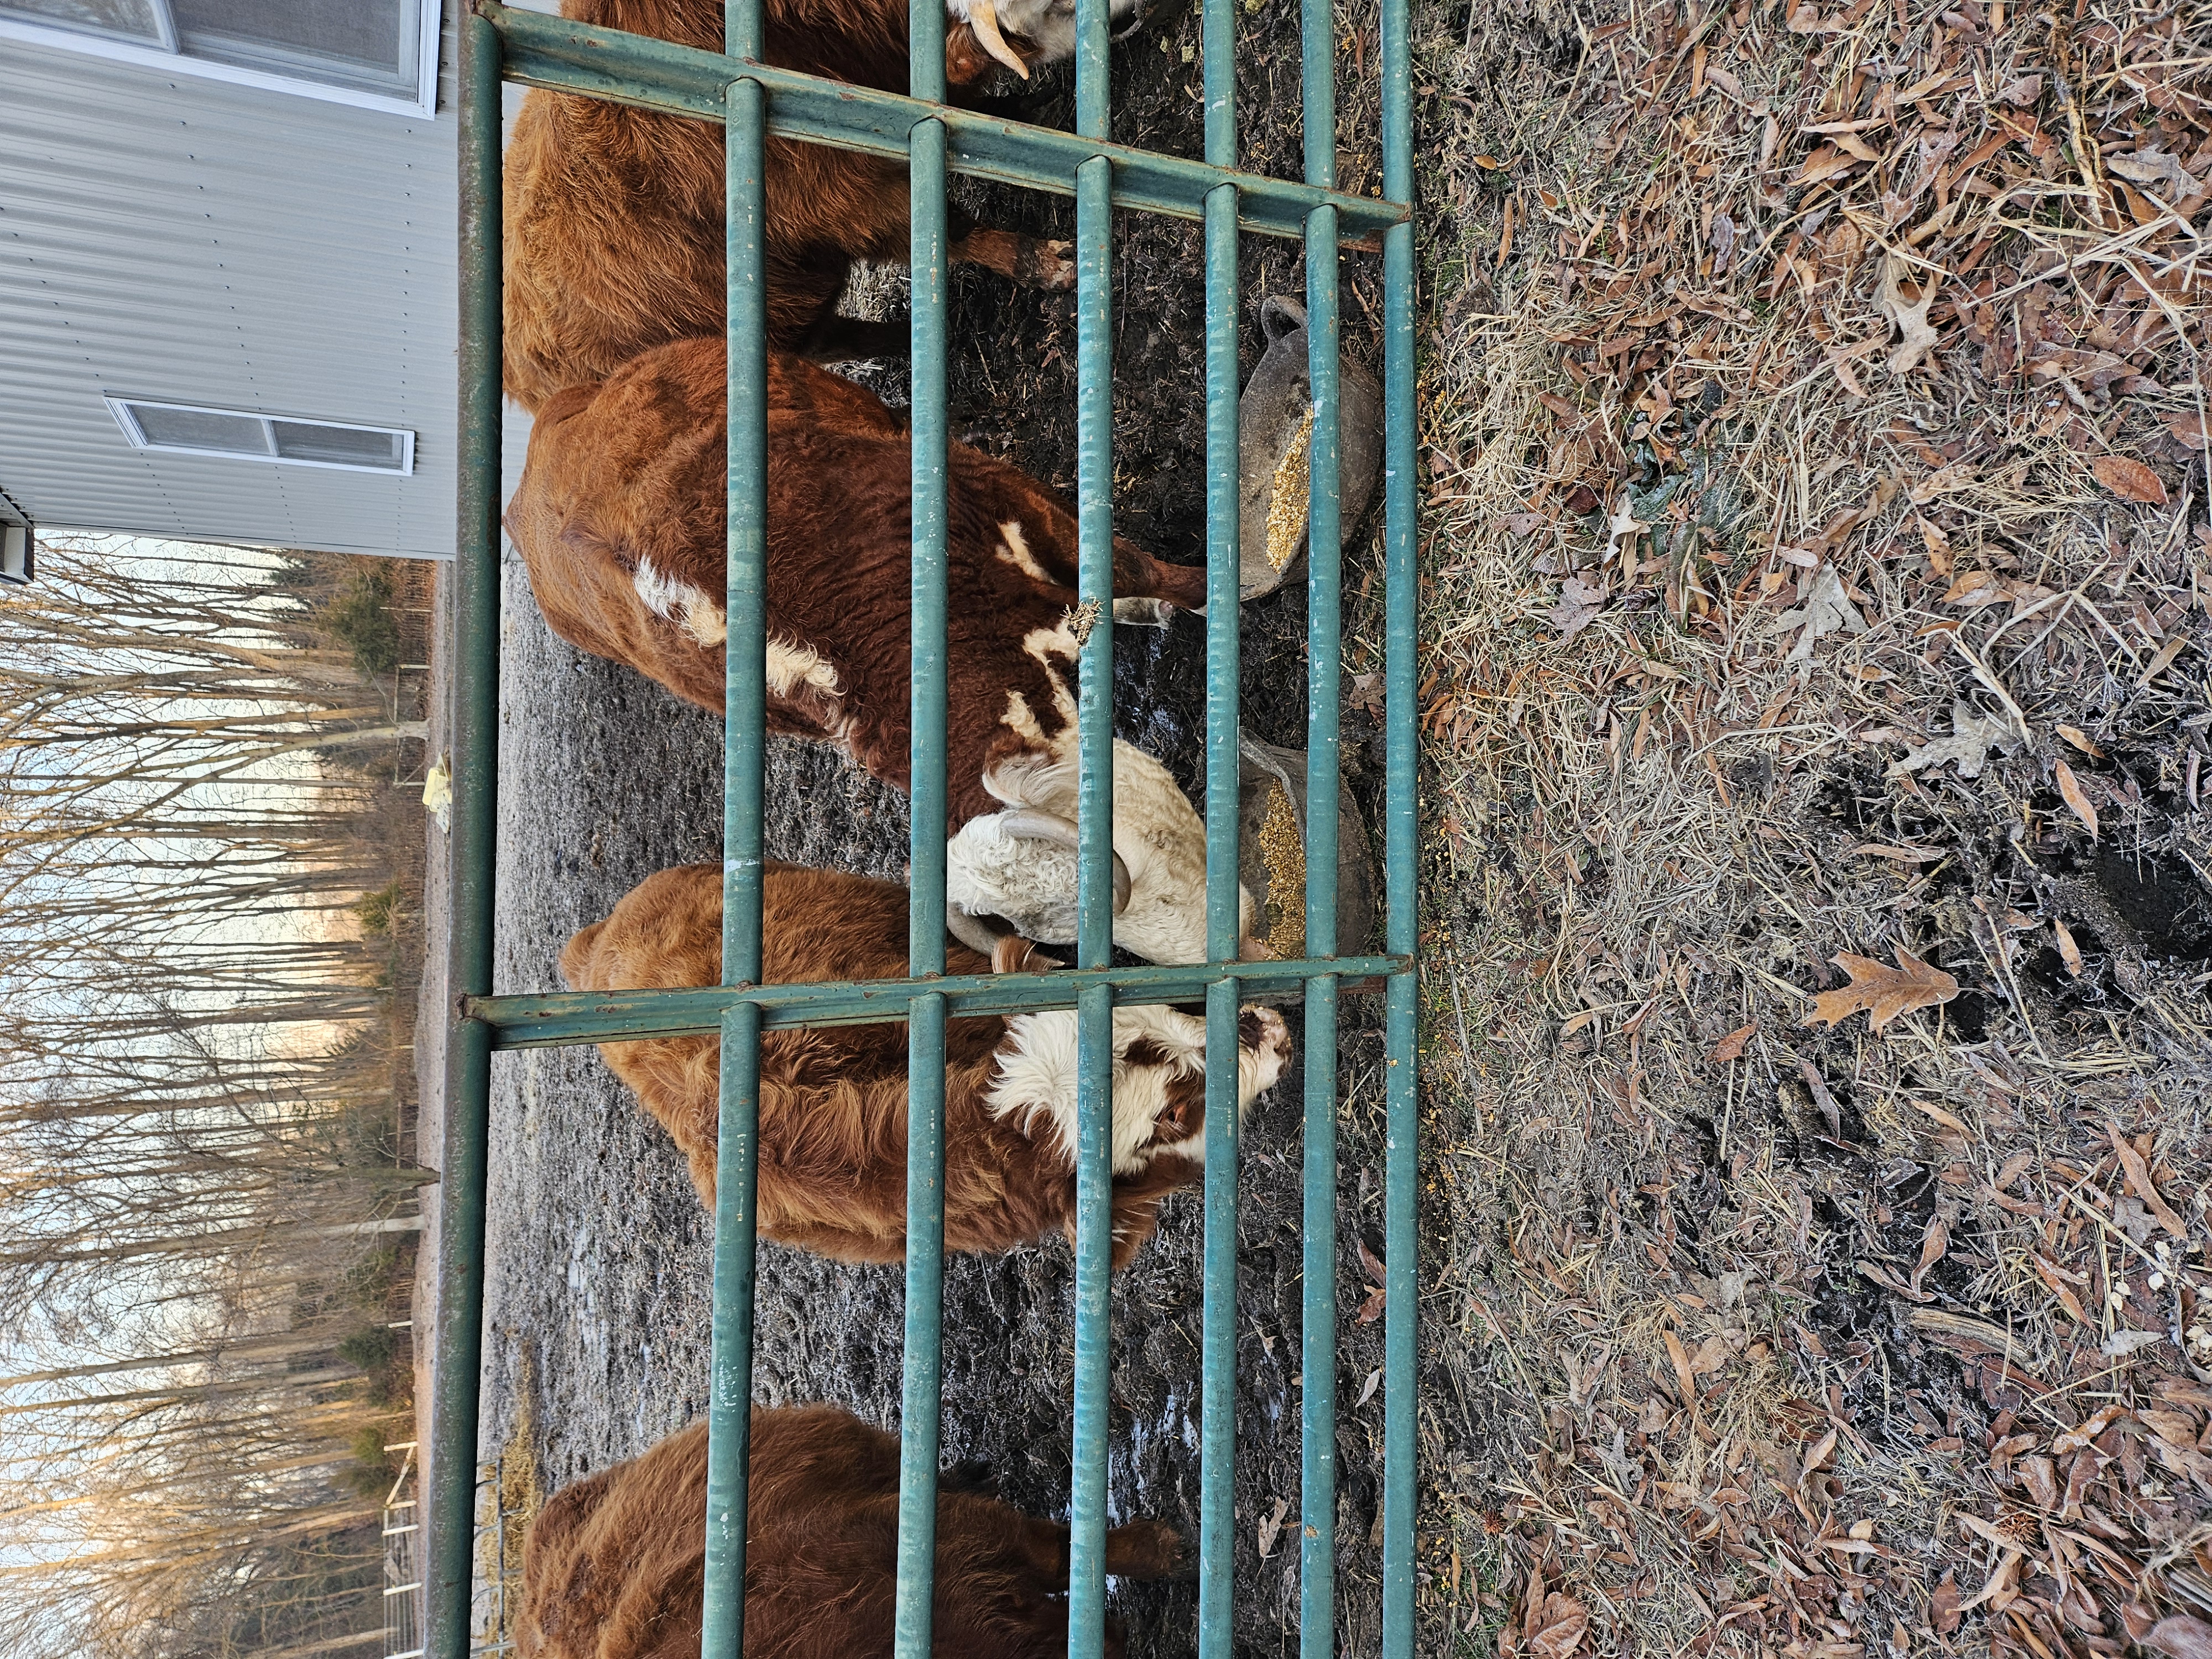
[428,21]
[120,407]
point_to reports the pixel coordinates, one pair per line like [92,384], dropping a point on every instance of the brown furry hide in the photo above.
[633,473]
[615,1568]
[614,215]
[833,1102]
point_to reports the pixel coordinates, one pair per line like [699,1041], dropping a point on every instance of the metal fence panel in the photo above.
[755,100]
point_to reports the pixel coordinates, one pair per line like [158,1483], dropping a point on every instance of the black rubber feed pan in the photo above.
[1275,432]
[1271,853]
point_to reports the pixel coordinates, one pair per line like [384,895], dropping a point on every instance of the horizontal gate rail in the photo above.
[568,57]
[565,1017]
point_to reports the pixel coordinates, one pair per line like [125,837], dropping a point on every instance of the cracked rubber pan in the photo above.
[1274,422]
[1271,841]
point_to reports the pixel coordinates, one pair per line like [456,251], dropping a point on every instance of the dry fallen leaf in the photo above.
[2138,1175]
[2040,1475]
[2058,1288]
[2080,739]
[1882,991]
[1580,601]
[2073,1439]
[1371,1264]
[1367,1389]
[2071,789]
[2128,478]
[1933,1244]
[1825,609]
[1556,1628]
[2189,429]
[1271,1528]
[1943,1614]
[2153,166]
[1975,587]
[2069,951]
[1915,333]
[1968,744]
[1623,523]
[1685,1378]
[1730,1048]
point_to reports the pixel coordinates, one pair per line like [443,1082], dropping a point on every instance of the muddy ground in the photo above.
[598,1291]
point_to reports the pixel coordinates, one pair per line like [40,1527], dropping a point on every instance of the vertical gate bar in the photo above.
[475,735]
[1317,1482]
[1401,852]
[1094,1180]
[924,1381]
[744,728]
[729,1406]
[1224,921]
[1094,819]
[922,1391]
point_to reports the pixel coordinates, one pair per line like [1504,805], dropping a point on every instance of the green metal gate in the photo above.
[753,99]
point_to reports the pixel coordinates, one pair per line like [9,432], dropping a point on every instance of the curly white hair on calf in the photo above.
[1030,881]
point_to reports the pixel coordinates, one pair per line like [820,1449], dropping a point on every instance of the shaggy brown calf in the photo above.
[833,1102]
[615,1567]
[615,214]
[621,517]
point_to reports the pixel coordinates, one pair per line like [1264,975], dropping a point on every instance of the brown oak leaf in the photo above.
[1882,991]
[1580,601]
[1943,1614]
[1916,334]
[1556,1628]
[1730,1048]
[2128,478]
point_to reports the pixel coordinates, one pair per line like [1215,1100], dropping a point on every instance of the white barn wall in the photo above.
[178,239]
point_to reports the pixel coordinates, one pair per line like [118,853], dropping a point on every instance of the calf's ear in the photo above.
[1184,1115]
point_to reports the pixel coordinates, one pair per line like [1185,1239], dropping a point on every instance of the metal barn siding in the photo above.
[182,240]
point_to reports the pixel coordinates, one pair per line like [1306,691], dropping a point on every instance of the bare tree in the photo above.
[205,1100]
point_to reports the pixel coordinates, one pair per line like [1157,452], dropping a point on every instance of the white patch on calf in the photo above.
[791,667]
[1037,1077]
[679,602]
[1157,832]
[1046,25]
[1014,549]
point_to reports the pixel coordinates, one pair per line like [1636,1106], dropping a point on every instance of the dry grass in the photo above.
[1751,1334]
[511,1500]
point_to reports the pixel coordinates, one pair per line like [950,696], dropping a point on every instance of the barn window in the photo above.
[241,434]
[19,543]
[382,54]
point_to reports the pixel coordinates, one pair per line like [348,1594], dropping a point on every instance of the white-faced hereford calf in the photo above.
[615,1565]
[833,1102]
[621,517]
[614,215]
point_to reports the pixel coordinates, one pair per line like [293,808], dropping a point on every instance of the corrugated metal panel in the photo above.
[168,237]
